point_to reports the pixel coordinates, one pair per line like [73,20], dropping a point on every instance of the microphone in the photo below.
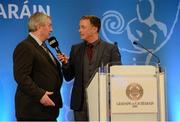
[158,60]
[54,44]
[116,44]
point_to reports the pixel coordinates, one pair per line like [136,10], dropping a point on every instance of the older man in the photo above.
[37,73]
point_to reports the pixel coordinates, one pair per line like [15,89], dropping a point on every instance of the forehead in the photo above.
[85,21]
[48,20]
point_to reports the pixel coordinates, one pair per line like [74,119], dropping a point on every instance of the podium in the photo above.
[127,93]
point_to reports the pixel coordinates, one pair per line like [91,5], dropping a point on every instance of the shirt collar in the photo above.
[94,43]
[36,39]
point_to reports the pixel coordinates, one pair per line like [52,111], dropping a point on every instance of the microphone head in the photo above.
[135,43]
[53,42]
[116,44]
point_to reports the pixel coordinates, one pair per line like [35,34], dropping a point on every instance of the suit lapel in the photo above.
[43,54]
[82,56]
[100,53]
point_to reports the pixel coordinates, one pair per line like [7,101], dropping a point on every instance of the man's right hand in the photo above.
[46,101]
[63,58]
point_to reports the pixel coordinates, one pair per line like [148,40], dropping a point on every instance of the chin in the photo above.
[82,38]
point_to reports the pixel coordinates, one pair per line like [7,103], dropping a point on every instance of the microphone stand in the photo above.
[158,60]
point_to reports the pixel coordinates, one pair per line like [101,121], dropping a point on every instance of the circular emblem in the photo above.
[134,91]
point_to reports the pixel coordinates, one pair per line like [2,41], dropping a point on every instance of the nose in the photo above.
[79,30]
[51,29]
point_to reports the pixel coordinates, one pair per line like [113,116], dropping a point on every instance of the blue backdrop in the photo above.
[154,23]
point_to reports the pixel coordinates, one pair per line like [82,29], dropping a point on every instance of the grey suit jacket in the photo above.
[74,69]
[35,73]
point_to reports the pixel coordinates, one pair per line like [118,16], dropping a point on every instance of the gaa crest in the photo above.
[134,91]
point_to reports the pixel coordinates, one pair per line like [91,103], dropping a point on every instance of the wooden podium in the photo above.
[127,93]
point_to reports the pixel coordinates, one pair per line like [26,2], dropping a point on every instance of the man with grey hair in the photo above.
[37,73]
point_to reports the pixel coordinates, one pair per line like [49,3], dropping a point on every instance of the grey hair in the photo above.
[36,19]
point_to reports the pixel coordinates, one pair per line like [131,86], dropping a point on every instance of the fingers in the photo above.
[49,93]
[63,58]
[49,103]
[46,101]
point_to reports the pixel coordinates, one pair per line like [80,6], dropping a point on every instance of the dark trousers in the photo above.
[33,119]
[37,118]
[82,115]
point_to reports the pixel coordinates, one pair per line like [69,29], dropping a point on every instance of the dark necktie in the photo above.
[48,52]
[90,51]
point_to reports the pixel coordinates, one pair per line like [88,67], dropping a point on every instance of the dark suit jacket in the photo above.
[35,73]
[74,69]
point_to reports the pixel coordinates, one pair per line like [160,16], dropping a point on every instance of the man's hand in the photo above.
[46,101]
[63,58]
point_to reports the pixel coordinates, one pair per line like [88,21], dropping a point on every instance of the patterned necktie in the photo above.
[90,51]
[48,52]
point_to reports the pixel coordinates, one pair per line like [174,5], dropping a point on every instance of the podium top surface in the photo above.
[133,69]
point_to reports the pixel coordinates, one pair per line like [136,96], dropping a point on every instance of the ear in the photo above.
[95,29]
[38,26]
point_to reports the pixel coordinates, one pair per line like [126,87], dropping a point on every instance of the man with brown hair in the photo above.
[84,59]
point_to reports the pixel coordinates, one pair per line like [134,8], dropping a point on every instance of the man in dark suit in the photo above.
[84,59]
[37,73]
